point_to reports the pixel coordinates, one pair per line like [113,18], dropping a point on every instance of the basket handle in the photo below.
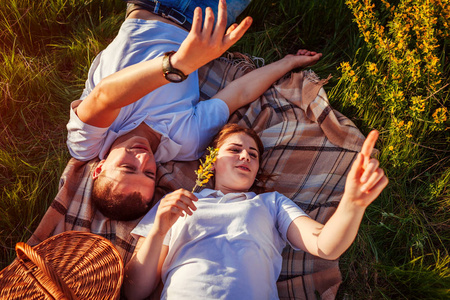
[52,283]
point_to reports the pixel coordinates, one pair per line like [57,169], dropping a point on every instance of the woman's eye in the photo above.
[234,150]
[253,155]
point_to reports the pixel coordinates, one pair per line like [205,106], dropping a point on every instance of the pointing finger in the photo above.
[369,144]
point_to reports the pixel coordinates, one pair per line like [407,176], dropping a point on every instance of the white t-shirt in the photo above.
[230,248]
[186,125]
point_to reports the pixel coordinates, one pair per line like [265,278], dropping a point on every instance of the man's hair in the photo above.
[262,177]
[117,206]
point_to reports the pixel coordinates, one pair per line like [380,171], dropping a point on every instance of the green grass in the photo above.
[401,251]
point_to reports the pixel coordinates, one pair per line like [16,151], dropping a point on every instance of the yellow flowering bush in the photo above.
[399,74]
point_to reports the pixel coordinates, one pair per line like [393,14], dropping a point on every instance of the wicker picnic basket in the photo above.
[70,265]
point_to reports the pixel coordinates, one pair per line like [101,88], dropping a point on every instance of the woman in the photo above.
[230,246]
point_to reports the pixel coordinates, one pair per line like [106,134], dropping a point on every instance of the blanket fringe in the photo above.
[242,61]
[313,77]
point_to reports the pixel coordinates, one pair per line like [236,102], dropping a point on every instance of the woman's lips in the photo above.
[244,168]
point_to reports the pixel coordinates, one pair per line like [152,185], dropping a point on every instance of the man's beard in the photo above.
[122,209]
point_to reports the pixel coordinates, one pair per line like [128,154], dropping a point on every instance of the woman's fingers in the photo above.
[372,180]
[369,168]
[180,201]
[369,145]
[357,168]
[377,186]
[183,205]
[176,211]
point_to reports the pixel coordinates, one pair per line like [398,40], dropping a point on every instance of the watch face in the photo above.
[173,77]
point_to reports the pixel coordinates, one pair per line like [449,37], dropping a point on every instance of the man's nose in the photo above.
[143,158]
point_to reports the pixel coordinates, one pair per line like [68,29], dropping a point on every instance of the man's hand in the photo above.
[173,206]
[303,58]
[365,180]
[203,44]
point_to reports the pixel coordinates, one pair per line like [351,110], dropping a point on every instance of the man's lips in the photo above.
[140,146]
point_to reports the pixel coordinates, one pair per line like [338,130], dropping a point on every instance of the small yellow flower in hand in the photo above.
[204,172]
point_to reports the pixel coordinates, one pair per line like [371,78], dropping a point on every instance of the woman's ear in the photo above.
[98,169]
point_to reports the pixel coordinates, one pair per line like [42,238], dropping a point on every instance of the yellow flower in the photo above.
[440,115]
[204,172]
[373,67]
[391,148]
[345,66]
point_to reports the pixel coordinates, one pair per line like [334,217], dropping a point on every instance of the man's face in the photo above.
[131,166]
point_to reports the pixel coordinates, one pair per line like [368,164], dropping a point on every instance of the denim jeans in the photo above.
[234,7]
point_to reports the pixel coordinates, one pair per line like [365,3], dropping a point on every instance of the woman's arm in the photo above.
[365,182]
[143,271]
[249,87]
[203,44]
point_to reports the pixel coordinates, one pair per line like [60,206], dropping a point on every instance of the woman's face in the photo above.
[237,164]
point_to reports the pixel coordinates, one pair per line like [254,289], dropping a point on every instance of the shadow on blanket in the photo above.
[309,145]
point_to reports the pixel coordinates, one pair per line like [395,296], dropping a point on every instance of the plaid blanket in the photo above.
[308,145]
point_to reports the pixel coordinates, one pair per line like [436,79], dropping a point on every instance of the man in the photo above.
[131,116]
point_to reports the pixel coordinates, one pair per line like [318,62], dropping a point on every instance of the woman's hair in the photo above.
[231,129]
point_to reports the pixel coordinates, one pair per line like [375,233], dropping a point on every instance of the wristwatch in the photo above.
[169,72]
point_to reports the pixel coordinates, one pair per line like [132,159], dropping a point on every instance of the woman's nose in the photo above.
[245,155]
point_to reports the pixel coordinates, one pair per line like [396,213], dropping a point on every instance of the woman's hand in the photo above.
[206,43]
[365,180]
[173,206]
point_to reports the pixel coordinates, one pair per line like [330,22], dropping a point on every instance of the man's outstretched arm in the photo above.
[249,87]
[203,44]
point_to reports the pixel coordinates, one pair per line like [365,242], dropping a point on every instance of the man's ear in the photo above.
[98,169]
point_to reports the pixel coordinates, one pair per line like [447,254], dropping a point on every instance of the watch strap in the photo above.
[168,69]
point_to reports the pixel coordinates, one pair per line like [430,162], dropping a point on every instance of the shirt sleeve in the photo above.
[211,115]
[146,223]
[288,211]
[83,140]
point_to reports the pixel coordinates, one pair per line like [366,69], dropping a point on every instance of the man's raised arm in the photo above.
[203,44]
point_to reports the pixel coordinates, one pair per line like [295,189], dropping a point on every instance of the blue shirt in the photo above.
[173,110]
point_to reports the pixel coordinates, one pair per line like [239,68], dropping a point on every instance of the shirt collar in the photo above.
[209,192]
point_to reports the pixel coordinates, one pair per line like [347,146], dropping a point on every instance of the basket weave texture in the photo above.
[70,265]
